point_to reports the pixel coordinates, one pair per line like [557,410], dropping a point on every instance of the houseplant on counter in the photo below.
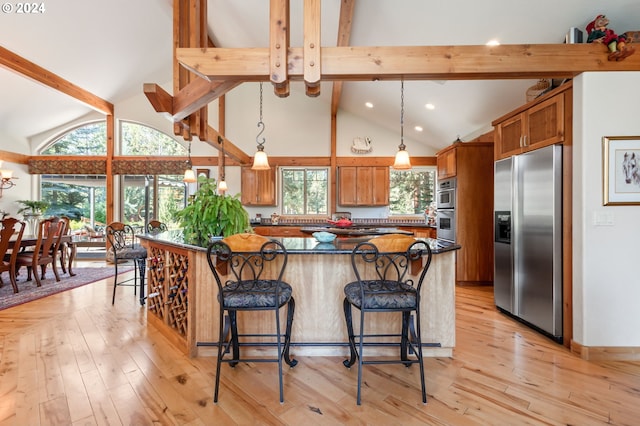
[32,211]
[209,214]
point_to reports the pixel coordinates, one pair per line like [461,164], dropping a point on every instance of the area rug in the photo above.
[29,291]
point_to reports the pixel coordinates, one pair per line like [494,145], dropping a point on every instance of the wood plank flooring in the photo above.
[73,359]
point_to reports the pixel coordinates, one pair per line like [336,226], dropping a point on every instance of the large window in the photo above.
[411,191]
[150,197]
[80,197]
[83,197]
[305,191]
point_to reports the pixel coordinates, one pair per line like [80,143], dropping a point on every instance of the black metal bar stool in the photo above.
[122,240]
[388,279]
[248,270]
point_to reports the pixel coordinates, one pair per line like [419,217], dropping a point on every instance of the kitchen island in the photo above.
[182,302]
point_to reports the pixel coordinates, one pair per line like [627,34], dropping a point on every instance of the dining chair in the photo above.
[44,252]
[248,271]
[10,239]
[123,248]
[155,227]
[387,281]
[63,248]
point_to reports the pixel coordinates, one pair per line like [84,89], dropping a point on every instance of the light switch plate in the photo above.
[603,218]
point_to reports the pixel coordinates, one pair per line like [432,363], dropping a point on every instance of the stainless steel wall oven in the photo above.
[446,213]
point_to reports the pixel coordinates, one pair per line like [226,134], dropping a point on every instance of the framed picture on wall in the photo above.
[202,172]
[621,170]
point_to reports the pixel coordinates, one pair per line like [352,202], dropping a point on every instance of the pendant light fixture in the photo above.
[189,175]
[222,185]
[402,161]
[260,159]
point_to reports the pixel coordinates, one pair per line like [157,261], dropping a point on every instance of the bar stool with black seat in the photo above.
[248,271]
[389,277]
[123,248]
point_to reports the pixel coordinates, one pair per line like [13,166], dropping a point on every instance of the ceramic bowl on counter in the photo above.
[324,237]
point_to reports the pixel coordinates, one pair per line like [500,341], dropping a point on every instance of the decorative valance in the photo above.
[68,167]
[99,167]
[146,167]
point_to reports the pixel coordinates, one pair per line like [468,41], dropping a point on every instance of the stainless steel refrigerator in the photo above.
[528,238]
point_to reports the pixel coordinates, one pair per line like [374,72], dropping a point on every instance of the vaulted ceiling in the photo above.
[112,48]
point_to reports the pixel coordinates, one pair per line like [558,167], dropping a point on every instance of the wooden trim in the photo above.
[606,353]
[14,157]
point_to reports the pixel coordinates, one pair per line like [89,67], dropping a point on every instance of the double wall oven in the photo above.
[446,209]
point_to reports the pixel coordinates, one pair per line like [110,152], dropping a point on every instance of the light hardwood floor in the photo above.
[73,359]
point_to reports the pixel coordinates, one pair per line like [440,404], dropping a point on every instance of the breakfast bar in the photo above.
[182,293]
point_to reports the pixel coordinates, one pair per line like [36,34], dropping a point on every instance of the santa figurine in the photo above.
[617,44]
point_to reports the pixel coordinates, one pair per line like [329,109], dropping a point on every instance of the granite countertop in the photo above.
[355,230]
[368,223]
[298,245]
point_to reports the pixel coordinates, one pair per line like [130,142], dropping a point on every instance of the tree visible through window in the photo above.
[305,191]
[411,191]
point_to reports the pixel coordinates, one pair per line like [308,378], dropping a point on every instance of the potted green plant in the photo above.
[33,207]
[32,211]
[209,214]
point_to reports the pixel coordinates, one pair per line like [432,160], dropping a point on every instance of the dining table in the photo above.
[70,241]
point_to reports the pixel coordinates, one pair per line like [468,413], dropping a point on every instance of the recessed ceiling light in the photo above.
[430,106]
[493,42]
[368,104]
[418,128]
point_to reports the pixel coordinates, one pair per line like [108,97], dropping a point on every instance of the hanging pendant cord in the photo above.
[402,112]
[260,123]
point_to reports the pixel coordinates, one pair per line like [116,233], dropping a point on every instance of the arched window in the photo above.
[89,139]
[138,139]
[80,193]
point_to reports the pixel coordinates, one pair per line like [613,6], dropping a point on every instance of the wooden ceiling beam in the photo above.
[230,149]
[279,46]
[193,97]
[28,69]
[413,62]
[344,36]
[311,47]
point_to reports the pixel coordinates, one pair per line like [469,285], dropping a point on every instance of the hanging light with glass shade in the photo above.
[260,159]
[189,175]
[402,161]
[222,185]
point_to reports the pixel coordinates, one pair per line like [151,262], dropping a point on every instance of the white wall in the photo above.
[606,270]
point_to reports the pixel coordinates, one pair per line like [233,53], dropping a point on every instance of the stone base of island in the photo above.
[182,298]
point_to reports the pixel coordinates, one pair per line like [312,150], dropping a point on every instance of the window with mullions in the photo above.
[305,191]
[411,191]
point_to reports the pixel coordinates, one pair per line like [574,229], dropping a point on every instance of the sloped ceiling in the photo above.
[111,48]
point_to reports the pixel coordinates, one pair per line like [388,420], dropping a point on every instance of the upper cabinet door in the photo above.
[363,186]
[258,187]
[446,163]
[540,125]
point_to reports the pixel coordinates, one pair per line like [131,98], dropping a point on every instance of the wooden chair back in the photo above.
[10,238]
[245,242]
[392,242]
[155,227]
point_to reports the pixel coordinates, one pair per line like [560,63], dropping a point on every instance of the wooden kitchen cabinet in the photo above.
[363,186]
[446,164]
[535,125]
[473,209]
[258,187]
